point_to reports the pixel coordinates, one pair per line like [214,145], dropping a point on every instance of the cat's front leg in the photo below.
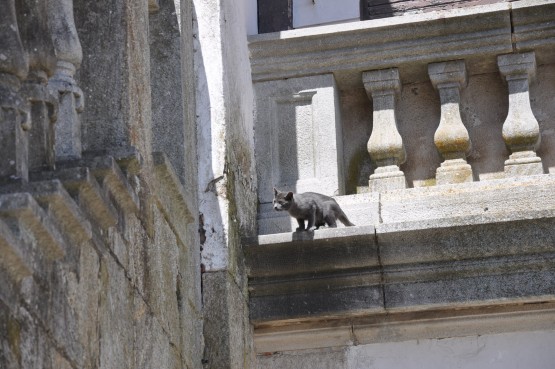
[301,225]
[311,220]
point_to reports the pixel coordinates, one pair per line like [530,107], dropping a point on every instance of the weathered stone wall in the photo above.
[99,243]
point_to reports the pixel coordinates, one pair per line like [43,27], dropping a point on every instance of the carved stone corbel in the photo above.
[14,111]
[521,130]
[385,144]
[71,102]
[451,137]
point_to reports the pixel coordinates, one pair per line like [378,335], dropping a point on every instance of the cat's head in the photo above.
[282,200]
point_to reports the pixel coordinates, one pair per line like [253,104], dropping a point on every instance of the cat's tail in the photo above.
[343,219]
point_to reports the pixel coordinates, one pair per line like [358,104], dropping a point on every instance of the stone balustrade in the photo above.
[420,100]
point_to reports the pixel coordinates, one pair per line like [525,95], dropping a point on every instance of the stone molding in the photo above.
[400,326]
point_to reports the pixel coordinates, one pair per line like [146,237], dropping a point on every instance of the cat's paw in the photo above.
[311,229]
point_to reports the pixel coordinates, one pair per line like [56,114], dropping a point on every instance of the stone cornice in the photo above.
[476,34]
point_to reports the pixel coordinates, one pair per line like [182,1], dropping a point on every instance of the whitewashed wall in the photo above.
[524,350]
[250,11]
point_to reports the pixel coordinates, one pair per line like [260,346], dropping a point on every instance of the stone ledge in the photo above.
[295,273]
[299,253]
[348,271]
[83,187]
[476,247]
[477,34]
[31,219]
[468,203]
[108,173]
[53,197]
[171,197]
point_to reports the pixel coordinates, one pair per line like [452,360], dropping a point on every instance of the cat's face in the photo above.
[282,200]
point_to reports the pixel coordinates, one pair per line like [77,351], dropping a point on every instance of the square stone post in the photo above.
[298,136]
[521,130]
[385,144]
[451,137]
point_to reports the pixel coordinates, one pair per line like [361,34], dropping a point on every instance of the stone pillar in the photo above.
[68,52]
[115,76]
[451,137]
[168,125]
[14,113]
[385,144]
[42,63]
[521,130]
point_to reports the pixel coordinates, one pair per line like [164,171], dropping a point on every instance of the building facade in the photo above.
[141,142]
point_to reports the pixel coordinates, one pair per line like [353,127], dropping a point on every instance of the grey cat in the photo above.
[313,207]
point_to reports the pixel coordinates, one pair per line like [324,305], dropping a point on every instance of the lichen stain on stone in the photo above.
[14,338]
[428,182]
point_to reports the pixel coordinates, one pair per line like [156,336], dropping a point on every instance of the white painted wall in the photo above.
[224,110]
[524,350]
[517,350]
[251,16]
[314,12]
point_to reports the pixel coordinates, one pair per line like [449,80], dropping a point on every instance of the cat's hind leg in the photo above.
[311,220]
[330,221]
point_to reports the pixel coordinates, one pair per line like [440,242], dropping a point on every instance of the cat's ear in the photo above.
[289,196]
[275,191]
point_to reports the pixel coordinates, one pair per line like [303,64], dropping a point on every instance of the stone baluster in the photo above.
[71,102]
[14,113]
[385,144]
[521,130]
[451,137]
[32,16]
